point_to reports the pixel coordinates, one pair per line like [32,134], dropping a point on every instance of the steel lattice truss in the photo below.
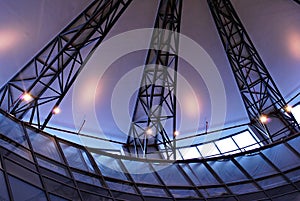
[51,73]
[257,88]
[154,117]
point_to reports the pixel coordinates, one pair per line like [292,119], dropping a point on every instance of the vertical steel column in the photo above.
[264,103]
[154,117]
[50,74]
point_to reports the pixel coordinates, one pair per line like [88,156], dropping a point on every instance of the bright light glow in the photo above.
[191,152]
[149,131]
[26,97]
[227,145]
[8,38]
[176,133]
[56,110]
[293,42]
[263,119]
[288,108]
[246,141]
[190,105]
[296,113]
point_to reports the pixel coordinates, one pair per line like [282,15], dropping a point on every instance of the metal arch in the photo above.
[155,106]
[258,90]
[51,73]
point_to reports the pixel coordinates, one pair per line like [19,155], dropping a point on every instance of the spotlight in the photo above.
[149,131]
[288,108]
[26,97]
[263,119]
[56,110]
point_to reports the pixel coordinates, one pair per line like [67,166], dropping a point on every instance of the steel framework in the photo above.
[39,87]
[154,116]
[266,107]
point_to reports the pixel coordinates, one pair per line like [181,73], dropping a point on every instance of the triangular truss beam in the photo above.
[154,116]
[266,107]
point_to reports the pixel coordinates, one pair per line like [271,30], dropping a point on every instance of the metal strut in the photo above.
[266,108]
[154,116]
[39,87]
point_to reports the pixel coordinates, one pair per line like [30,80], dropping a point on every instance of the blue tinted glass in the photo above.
[243,188]
[272,182]
[170,174]
[56,198]
[86,179]
[183,193]
[23,191]
[76,157]
[295,143]
[17,150]
[23,173]
[3,188]
[282,157]
[44,145]
[211,192]
[157,192]
[140,172]
[121,187]
[109,167]
[227,171]
[52,166]
[255,165]
[12,130]
[199,174]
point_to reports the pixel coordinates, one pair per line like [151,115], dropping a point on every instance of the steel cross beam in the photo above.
[258,90]
[154,116]
[48,76]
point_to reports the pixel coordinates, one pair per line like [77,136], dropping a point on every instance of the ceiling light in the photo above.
[263,119]
[56,110]
[26,97]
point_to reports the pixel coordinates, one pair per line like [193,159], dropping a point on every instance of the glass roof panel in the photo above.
[48,149]
[243,188]
[185,193]
[211,192]
[256,166]
[245,140]
[76,157]
[282,157]
[170,174]
[157,192]
[227,171]
[3,189]
[199,174]
[226,145]
[110,167]
[295,143]
[272,182]
[23,191]
[121,187]
[12,130]
[140,172]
